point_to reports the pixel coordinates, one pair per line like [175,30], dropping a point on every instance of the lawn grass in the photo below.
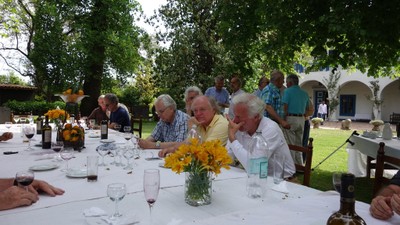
[325,142]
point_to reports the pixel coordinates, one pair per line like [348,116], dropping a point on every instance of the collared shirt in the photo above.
[322,108]
[258,93]
[221,96]
[238,92]
[217,129]
[120,116]
[271,95]
[172,132]
[276,144]
[296,100]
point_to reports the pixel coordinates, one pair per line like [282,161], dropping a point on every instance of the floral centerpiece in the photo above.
[73,136]
[72,97]
[199,161]
[57,116]
[376,124]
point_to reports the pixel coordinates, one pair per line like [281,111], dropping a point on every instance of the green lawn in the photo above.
[325,142]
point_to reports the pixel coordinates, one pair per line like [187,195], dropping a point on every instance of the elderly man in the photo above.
[12,196]
[295,103]
[210,124]
[236,85]
[248,119]
[171,128]
[190,94]
[118,114]
[219,93]
[271,95]
[99,113]
[261,85]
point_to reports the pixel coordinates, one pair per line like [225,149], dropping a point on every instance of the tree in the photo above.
[353,34]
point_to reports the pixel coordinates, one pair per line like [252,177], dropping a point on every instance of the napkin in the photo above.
[124,220]
[94,212]
[281,187]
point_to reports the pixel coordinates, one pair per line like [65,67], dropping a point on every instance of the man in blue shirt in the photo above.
[219,93]
[118,114]
[171,128]
[295,102]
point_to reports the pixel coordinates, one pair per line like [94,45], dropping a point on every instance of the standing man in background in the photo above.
[322,111]
[219,93]
[236,85]
[261,85]
[295,103]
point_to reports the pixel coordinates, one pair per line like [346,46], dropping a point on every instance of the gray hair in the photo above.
[166,100]
[100,97]
[112,98]
[211,101]
[254,104]
[293,78]
[192,89]
[219,78]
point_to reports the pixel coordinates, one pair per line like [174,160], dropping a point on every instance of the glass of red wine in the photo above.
[116,192]
[151,187]
[24,178]
[336,180]
[29,131]
[57,147]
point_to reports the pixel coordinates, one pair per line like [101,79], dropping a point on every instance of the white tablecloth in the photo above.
[230,205]
[364,147]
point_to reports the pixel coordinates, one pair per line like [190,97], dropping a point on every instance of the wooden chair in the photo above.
[136,125]
[306,168]
[381,161]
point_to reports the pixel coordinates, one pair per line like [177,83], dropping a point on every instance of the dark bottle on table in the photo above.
[39,125]
[46,134]
[104,129]
[346,214]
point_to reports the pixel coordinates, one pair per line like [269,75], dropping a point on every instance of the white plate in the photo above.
[107,140]
[43,167]
[94,135]
[77,173]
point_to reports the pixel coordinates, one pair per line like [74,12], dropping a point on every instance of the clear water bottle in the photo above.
[193,134]
[257,166]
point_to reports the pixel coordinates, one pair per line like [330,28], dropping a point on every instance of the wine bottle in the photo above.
[104,129]
[46,134]
[346,214]
[39,125]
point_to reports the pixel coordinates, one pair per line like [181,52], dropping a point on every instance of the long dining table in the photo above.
[295,204]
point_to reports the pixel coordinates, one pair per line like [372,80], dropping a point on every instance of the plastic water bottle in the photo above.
[257,166]
[193,134]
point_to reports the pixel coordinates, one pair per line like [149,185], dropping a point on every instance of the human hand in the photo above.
[232,128]
[39,185]
[15,196]
[192,120]
[164,152]
[395,203]
[145,144]
[380,208]
[285,124]
[6,136]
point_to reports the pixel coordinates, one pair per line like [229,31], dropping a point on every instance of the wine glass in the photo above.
[103,150]
[8,125]
[57,147]
[336,180]
[151,187]
[66,154]
[116,192]
[29,131]
[120,153]
[24,178]
[117,127]
[128,154]
[113,151]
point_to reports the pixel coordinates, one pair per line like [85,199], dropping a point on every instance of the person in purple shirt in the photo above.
[118,114]
[219,93]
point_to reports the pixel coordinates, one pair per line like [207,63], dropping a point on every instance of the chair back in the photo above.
[136,125]
[381,161]
[306,168]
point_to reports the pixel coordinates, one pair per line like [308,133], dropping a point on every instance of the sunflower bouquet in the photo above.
[74,136]
[57,115]
[199,161]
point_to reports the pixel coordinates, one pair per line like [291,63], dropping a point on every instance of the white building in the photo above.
[353,92]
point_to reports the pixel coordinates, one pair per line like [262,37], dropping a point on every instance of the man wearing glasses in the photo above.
[118,114]
[171,128]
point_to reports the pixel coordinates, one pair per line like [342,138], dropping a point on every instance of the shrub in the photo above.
[36,107]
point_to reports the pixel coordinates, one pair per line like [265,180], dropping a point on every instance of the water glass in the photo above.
[278,167]
[116,192]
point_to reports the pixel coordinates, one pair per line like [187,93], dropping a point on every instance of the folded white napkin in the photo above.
[94,212]
[281,187]
[124,220]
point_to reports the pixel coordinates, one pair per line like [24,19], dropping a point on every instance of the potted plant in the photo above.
[316,121]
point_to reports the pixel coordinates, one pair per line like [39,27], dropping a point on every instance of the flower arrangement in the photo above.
[199,161]
[72,96]
[376,122]
[73,135]
[57,114]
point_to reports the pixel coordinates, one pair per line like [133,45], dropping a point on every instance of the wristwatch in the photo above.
[158,143]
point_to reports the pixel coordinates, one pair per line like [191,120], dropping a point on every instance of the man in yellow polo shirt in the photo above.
[211,125]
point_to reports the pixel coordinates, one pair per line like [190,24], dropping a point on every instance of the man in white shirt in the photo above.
[249,111]
[322,111]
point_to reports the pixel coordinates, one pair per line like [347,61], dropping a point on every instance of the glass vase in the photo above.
[198,188]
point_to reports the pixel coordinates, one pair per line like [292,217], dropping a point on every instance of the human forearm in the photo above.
[6,183]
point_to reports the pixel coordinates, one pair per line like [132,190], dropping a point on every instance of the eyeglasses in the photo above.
[107,104]
[159,112]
